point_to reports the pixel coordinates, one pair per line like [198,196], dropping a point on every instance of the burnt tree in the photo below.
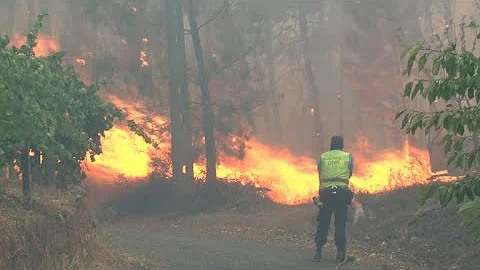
[276,128]
[180,113]
[208,117]
[310,78]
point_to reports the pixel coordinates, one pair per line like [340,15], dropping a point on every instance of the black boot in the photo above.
[318,255]
[341,255]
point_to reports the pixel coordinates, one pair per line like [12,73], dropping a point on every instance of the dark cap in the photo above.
[336,143]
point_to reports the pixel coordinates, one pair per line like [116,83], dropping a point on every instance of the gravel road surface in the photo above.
[178,249]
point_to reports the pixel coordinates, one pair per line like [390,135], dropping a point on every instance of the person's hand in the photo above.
[317,202]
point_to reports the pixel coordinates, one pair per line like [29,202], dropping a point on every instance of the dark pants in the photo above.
[335,200]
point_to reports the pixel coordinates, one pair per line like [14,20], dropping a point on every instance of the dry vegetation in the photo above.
[53,231]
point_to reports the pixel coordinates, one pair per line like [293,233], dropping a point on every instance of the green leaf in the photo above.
[476,189]
[460,129]
[415,122]
[418,88]
[477,160]
[459,145]
[405,120]
[428,124]
[432,96]
[447,141]
[399,114]
[451,159]
[408,89]
[427,192]
[410,62]
[444,197]
[436,66]
[470,212]
[404,52]
[441,119]
[471,92]
[465,162]
[413,55]
[469,193]
[422,61]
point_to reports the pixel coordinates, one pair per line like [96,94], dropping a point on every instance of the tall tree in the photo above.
[339,64]
[310,78]
[276,128]
[208,117]
[180,119]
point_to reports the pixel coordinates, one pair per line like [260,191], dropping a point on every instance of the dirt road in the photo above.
[175,248]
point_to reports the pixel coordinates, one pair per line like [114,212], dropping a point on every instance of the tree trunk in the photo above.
[185,108]
[25,168]
[341,118]
[314,112]
[11,171]
[276,129]
[207,111]
[172,51]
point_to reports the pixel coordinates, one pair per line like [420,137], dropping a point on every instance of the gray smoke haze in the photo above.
[354,47]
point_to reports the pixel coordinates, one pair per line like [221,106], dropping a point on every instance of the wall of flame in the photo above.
[291,179]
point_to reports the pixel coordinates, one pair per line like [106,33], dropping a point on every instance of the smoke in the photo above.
[354,46]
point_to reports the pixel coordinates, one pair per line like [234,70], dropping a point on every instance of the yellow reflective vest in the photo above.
[335,169]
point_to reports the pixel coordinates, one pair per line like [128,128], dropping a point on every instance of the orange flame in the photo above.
[291,179]
[143,59]
[80,62]
[45,44]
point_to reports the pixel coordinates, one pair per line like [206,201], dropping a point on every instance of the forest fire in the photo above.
[45,44]
[291,179]
[143,59]
[80,62]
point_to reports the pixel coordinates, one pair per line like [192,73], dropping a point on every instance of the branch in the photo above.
[252,46]
[211,19]
[6,122]
[290,15]
[216,15]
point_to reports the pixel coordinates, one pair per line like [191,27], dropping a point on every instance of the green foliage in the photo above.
[450,76]
[46,108]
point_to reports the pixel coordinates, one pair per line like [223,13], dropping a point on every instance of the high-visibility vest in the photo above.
[334,169]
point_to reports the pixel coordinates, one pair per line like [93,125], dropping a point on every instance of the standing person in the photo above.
[335,168]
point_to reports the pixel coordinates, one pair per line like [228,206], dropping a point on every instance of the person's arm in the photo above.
[350,165]
[319,179]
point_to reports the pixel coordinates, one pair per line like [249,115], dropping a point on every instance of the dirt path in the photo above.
[176,248]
